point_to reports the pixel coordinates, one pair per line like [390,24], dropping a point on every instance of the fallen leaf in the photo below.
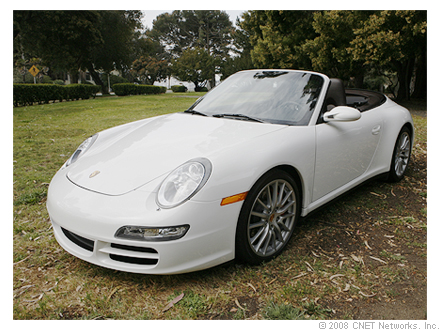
[380,260]
[366,244]
[367,295]
[249,284]
[23,289]
[21,260]
[238,304]
[379,195]
[315,254]
[112,293]
[310,268]
[391,243]
[337,275]
[298,276]
[173,302]
[355,258]
[36,300]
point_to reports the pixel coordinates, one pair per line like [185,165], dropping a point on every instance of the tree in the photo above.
[276,37]
[195,65]
[73,40]
[240,58]
[394,40]
[185,30]
[148,69]
[118,30]
[343,44]
[328,51]
[59,38]
[150,61]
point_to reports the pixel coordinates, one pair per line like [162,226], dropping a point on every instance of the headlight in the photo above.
[81,150]
[184,182]
[152,233]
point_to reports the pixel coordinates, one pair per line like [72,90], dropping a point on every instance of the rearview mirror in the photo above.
[342,113]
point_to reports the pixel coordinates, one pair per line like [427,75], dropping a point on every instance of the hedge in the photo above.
[28,94]
[132,89]
[81,91]
[179,89]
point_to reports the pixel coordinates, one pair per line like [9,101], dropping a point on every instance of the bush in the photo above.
[132,89]
[28,94]
[179,89]
[46,80]
[81,91]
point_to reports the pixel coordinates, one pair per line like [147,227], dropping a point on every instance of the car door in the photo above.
[344,151]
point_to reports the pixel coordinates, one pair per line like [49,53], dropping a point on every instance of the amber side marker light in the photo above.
[233,199]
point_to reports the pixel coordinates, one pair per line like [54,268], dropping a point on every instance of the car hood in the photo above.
[129,156]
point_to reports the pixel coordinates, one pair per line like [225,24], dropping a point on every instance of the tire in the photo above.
[401,156]
[265,225]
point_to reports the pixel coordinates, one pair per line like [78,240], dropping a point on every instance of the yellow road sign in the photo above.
[34,71]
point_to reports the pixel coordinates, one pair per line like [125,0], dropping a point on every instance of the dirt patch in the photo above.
[408,305]
[71,313]
[241,307]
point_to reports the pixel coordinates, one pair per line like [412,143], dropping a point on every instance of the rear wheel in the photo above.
[401,155]
[268,217]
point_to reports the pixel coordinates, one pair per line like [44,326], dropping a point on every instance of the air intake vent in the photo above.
[134,254]
[133,248]
[79,240]
[133,260]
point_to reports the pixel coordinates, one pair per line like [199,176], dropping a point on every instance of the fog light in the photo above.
[139,233]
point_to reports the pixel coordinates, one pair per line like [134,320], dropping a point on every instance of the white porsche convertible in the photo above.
[227,178]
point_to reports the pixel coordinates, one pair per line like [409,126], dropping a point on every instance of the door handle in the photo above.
[375,130]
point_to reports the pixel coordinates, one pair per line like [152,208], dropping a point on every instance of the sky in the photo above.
[150,15]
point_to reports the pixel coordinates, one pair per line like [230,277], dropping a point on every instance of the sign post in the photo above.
[34,71]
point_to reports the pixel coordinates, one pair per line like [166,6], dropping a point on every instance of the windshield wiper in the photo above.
[238,116]
[194,112]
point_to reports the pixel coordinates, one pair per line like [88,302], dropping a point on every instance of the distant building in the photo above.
[189,85]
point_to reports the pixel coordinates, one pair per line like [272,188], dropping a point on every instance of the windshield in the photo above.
[278,97]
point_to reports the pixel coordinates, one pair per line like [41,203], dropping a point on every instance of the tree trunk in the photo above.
[97,79]
[359,81]
[420,86]
[404,75]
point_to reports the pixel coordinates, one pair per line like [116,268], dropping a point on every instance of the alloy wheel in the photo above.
[401,154]
[272,218]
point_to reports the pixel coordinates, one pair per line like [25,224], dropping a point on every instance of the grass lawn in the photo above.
[357,256]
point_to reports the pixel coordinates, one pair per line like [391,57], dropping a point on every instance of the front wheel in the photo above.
[268,217]
[401,155]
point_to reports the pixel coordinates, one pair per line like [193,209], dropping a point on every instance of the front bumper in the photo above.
[85,223]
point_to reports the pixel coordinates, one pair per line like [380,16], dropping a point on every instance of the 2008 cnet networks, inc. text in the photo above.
[378,325]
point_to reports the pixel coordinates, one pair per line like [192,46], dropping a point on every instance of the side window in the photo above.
[335,97]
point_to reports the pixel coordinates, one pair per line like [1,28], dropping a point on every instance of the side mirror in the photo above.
[342,114]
